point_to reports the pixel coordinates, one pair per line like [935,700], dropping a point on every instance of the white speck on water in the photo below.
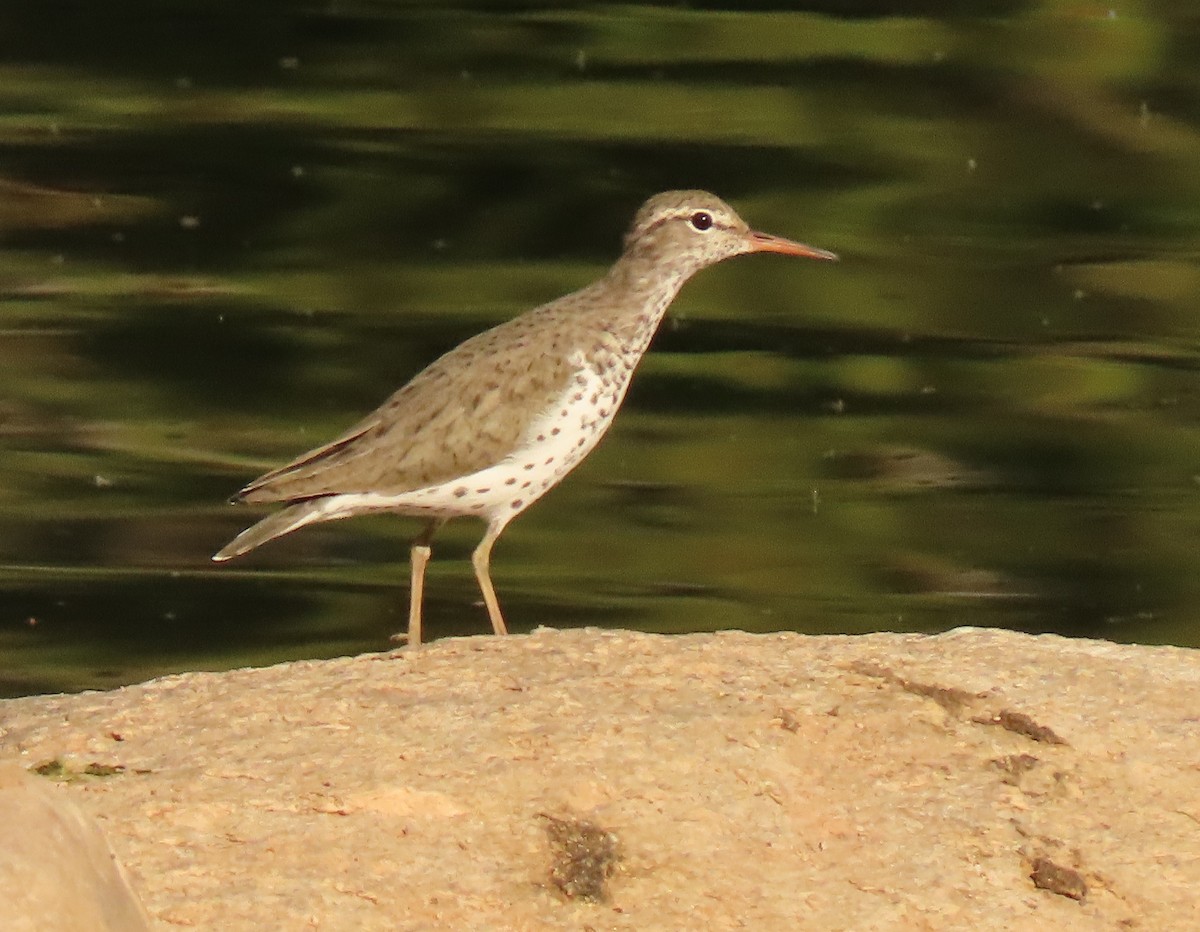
[189,221]
[972,165]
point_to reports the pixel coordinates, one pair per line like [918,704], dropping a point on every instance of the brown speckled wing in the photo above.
[467,410]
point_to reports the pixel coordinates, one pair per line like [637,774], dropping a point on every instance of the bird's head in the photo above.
[694,229]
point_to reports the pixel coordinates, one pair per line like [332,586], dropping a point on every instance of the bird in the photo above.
[490,427]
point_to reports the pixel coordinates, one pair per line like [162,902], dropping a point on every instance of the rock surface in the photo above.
[56,870]
[572,779]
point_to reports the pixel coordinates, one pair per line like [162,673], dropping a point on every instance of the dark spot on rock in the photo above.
[1020,724]
[1065,881]
[1015,764]
[950,698]
[583,857]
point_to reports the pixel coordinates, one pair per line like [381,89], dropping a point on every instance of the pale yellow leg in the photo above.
[481,560]
[419,557]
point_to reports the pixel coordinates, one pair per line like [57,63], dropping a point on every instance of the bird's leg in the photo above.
[481,560]
[419,558]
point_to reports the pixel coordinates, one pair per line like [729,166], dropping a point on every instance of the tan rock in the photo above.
[56,870]
[971,780]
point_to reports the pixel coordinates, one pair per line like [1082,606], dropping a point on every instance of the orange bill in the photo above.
[765,242]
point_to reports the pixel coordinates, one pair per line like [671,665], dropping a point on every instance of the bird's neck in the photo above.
[639,291]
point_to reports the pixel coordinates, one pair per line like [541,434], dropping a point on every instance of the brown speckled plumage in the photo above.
[492,425]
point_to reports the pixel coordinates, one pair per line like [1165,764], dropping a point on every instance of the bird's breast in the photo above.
[567,429]
[557,436]
[556,440]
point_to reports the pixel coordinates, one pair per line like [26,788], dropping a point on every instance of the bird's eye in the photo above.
[701,220]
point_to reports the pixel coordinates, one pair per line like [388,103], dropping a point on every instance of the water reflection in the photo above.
[225,244]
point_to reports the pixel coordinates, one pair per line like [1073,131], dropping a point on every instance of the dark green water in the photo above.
[227,231]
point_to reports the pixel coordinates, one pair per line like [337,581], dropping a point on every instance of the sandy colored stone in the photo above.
[977,779]
[57,872]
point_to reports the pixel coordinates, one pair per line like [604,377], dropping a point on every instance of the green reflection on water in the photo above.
[230,231]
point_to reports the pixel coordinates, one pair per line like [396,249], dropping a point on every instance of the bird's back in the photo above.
[467,410]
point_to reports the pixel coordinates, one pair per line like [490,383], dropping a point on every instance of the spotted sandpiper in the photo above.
[490,427]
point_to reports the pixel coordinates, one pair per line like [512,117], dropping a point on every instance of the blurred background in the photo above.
[229,230]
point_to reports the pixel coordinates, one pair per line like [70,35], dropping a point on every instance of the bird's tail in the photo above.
[276,525]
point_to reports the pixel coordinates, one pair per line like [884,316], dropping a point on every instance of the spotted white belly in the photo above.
[555,443]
